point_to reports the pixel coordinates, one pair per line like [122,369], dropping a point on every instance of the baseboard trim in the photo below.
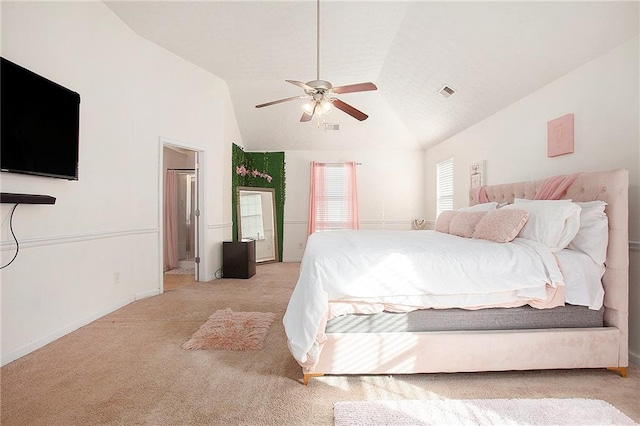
[12,356]
[146,294]
[634,358]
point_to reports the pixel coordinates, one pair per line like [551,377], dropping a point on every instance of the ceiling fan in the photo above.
[319,92]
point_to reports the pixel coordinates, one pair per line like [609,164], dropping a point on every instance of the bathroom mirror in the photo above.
[257,221]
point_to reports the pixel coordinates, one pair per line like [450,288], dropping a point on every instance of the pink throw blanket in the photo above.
[552,188]
[482,195]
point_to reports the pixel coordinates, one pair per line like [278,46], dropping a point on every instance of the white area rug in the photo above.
[479,412]
[190,271]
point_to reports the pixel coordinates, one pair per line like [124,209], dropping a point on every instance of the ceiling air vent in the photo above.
[446,91]
[328,126]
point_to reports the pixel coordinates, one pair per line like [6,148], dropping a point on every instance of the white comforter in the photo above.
[417,269]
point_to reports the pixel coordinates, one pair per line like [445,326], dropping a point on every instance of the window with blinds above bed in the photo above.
[444,186]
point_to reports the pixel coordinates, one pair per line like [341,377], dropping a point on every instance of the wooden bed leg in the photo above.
[309,376]
[621,370]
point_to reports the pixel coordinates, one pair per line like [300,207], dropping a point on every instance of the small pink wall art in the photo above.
[560,136]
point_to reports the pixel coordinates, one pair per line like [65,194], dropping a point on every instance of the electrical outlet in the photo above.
[116,277]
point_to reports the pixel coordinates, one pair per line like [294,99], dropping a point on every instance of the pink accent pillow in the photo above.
[444,220]
[501,225]
[464,224]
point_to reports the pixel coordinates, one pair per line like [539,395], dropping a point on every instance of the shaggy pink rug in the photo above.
[237,331]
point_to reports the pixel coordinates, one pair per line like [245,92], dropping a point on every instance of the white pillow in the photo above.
[593,236]
[483,207]
[553,223]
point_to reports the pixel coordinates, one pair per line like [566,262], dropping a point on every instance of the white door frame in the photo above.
[200,187]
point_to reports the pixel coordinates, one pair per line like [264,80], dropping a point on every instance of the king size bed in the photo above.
[455,300]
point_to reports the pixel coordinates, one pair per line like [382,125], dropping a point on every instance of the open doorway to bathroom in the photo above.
[180,216]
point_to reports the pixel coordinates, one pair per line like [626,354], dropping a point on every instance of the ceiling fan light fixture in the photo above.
[317,107]
[308,107]
[325,106]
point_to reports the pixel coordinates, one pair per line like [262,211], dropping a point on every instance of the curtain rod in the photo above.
[357,164]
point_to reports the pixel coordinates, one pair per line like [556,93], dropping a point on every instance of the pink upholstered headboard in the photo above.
[611,187]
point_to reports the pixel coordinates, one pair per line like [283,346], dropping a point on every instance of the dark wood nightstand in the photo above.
[239,259]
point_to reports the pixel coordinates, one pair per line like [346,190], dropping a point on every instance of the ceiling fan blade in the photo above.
[358,115]
[350,88]
[300,84]
[281,100]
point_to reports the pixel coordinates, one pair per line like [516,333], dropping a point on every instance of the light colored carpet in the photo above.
[237,331]
[182,271]
[174,281]
[545,411]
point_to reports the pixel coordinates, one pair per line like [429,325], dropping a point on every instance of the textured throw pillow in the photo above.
[444,221]
[482,207]
[593,236]
[553,223]
[464,224]
[501,225]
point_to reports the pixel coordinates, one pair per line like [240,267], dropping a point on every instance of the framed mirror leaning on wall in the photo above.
[257,221]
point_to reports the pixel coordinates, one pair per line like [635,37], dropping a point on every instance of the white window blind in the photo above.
[334,201]
[444,186]
[333,206]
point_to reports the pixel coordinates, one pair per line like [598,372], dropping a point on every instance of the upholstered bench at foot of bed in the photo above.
[469,351]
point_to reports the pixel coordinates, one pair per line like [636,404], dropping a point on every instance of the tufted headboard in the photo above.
[611,187]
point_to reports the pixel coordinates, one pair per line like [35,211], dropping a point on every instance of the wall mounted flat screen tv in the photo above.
[39,124]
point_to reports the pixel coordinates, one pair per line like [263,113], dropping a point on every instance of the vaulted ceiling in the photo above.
[491,53]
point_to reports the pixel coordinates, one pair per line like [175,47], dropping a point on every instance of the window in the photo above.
[333,201]
[444,186]
[251,218]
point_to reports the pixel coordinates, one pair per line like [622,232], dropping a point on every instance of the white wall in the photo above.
[391,191]
[133,93]
[603,95]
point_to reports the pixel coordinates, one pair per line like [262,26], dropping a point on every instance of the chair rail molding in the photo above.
[73,238]
[220,225]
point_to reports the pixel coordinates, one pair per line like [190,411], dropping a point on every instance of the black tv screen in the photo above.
[39,124]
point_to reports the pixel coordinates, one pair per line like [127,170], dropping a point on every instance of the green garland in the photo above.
[266,164]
